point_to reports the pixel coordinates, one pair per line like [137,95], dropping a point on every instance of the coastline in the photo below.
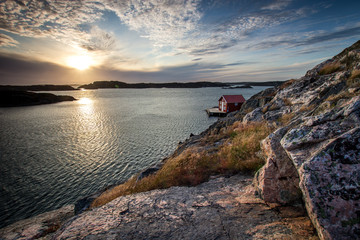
[301,140]
[83,204]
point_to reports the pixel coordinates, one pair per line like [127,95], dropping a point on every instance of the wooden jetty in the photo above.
[215,112]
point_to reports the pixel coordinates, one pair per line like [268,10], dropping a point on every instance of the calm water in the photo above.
[52,155]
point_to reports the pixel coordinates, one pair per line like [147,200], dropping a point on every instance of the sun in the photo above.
[80,62]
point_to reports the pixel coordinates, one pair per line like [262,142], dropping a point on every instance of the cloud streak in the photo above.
[277,5]
[307,39]
[6,40]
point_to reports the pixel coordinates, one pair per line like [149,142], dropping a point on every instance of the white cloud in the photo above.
[99,40]
[277,5]
[6,40]
[166,23]
[56,19]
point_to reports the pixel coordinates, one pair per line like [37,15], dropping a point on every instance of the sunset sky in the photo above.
[75,42]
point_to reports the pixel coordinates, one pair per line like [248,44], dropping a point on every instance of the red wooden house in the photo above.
[230,103]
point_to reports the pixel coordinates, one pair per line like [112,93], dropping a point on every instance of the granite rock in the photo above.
[223,208]
[326,152]
[318,150]
[277,181]
[42,226]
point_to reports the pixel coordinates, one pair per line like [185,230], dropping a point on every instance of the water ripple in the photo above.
[52,155]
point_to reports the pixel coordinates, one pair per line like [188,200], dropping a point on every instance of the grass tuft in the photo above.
[330,68]
[286,118]
[287,84]
[196,165]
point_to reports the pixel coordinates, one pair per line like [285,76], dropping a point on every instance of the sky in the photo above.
[80,41]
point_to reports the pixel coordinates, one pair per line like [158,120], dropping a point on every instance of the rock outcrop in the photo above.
[316,149]
[41,226]
[223,208]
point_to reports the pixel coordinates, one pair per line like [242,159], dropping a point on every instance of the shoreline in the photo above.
[84,203]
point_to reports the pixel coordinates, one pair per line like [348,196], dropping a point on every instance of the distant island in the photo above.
[235,87]
[117,84]
[46,87]
[16,98]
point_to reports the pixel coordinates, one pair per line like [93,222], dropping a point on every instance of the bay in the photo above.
[52,155]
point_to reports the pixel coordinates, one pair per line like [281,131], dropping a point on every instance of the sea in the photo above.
[52,155]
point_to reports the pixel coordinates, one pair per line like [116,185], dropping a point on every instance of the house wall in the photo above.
[234,107]
[228,107]
[222,105]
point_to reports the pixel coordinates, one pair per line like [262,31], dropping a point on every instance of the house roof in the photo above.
[233,98]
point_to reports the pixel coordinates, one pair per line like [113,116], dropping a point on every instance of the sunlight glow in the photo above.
[80,62]
[85,101]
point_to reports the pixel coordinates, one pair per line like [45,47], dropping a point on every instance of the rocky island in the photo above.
[301,138]
[17,98]
[46,87]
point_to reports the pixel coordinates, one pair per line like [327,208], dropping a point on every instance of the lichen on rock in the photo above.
[322,146]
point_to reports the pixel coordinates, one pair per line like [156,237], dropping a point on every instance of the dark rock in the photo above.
[83,204]
[37,88]
[147,172]
[23,98]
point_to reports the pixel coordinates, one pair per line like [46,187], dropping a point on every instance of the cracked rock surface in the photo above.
[223,208]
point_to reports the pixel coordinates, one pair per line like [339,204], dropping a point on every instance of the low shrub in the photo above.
[196,165]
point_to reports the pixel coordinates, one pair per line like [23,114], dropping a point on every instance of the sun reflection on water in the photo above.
[85,100]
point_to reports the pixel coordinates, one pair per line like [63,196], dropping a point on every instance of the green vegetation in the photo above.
[330,68]
[196,165]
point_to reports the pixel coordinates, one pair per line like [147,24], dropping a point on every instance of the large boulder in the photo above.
[277,181]
[325,150]
[317,149]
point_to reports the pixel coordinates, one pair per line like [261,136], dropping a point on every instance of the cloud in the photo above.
[330,36]
[6,40]
[277,5]
[49,18]
[306,39]
[163,22]
[100,40]
[176,25]
[238,30]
